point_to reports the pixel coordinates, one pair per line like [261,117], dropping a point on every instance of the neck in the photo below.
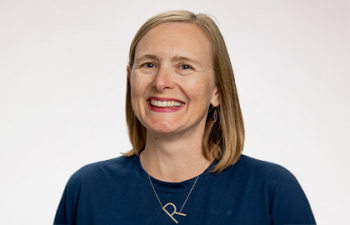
[173,159]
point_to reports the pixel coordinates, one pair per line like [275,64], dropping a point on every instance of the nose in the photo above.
[163,79]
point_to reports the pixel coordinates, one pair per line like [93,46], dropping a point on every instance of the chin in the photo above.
[162,129]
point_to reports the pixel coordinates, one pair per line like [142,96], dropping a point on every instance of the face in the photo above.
[172,79]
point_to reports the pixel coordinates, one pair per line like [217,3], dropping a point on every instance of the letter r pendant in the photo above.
[173,213]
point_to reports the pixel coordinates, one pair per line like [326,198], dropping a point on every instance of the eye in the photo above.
[185,67]
[149,65]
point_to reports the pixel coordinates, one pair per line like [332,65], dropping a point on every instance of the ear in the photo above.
[128,69]
[215,100]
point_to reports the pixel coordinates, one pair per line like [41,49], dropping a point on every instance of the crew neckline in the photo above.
[172,187]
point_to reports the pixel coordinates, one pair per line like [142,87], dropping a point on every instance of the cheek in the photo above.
[201,90]
[135,93]
[138,88]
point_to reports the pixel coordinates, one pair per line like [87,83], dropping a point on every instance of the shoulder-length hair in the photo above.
[223,139]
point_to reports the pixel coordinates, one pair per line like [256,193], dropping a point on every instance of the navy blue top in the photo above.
[118,191]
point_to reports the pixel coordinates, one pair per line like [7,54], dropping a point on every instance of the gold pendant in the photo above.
[173,213]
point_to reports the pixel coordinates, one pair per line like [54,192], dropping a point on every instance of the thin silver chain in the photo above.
[186,198]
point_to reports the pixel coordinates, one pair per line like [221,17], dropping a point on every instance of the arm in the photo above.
[67,209]
[287,201]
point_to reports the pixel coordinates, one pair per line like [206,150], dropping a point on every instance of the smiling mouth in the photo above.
[165,104]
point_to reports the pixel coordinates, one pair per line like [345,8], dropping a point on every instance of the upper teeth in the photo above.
[165,103]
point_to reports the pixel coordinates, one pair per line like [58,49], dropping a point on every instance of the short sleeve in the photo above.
[287,201]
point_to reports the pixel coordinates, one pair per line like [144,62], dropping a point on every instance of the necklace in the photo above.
[171,215]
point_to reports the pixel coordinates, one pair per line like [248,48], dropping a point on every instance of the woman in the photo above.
[186,128]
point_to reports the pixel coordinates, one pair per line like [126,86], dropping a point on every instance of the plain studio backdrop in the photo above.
[63,82]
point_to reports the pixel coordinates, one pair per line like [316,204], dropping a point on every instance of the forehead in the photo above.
[175,38]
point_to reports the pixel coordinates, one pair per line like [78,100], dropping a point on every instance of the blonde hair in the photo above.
[223,139]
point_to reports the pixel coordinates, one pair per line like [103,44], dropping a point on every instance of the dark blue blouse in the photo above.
[118,191]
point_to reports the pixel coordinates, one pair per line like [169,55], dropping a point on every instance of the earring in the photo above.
[215,116]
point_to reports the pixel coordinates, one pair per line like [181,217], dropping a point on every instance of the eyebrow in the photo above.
[183,58]
[147,56]
[175,58]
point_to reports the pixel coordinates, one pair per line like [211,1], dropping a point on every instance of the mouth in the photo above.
[165,103]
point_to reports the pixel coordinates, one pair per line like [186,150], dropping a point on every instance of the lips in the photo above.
[156,103]
[164,104]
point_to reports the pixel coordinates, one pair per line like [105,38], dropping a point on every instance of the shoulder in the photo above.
[252,167]
[91,183]
[255,175]
[102,170]
[247,161]
[281,191]
[268,177]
